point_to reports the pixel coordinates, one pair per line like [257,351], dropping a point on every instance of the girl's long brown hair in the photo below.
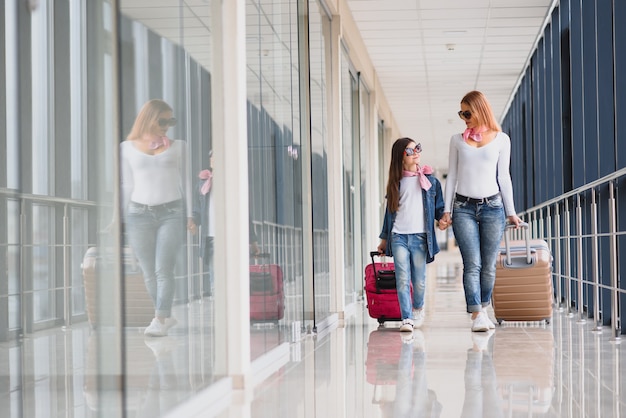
[395,173]
[481,109]
[148,118]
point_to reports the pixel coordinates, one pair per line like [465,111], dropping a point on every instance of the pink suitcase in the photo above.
[267,295]
[380,289]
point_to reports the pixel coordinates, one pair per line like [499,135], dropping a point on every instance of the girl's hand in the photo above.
[445,221]
[382,247]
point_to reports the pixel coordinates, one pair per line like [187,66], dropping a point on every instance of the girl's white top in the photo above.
[410,215]
[480,172]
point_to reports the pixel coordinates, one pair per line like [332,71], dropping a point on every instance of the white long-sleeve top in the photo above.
[155,179]
[480,172]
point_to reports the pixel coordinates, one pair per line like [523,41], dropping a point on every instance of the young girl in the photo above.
[414,201]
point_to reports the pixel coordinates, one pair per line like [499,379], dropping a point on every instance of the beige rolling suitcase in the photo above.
[523,287]
[139,308]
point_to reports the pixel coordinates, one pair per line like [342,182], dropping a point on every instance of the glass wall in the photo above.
[349,95]
[107,215]
[319,44]
[274,172]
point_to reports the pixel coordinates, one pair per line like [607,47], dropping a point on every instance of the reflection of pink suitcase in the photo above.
[384,347]
[267,294]
[380,289]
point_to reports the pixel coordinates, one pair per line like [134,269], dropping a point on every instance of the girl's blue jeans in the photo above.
[409,257]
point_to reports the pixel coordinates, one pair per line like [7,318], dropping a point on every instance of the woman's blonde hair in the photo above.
[481,110]
[148,118]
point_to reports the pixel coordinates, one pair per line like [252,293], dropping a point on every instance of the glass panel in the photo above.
[319,37]
[40,98]
[364,139]
[274,181]
[166,74]
[43,264]
[348,84]
[13,263]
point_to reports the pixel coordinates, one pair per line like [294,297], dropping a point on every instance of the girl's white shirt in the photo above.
[410,215]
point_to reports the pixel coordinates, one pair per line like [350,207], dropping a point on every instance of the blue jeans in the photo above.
[155,234]
[409,257]
[478,229]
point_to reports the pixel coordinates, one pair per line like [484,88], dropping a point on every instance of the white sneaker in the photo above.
[481,323]
[481,341]
[418,317]
[490,322]
[155,329]
[169,323]
[407,325]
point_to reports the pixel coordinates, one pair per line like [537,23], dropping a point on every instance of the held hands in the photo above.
[445,221]
[191,226]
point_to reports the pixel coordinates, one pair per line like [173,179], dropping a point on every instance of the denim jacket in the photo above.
[433,209]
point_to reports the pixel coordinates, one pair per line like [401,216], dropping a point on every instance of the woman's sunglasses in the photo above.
[413,151]
[465,114]
[167,122]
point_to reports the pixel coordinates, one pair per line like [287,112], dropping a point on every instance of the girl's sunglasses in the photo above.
[167,122]
[465,114]
[413,151]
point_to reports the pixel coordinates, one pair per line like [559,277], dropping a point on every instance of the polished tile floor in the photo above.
[352,369]
[563,369]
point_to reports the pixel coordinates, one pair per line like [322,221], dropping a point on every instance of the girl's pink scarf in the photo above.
[421,174]
[206,175]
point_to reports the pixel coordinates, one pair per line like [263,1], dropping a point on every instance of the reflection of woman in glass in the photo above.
[154,183]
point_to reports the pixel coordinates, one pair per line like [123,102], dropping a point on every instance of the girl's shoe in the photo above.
[407,325]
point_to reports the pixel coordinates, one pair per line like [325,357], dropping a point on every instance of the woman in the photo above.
[479,189]
[414,201]
[154,188]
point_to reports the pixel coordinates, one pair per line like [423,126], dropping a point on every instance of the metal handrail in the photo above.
[572,211]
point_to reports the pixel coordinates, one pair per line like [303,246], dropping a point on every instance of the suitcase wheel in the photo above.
[499,321]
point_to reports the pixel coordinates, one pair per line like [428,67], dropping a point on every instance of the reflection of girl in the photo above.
[154,182]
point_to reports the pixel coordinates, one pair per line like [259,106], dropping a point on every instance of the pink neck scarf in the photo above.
[474,133]
[157,142]
[421,174]
[206,186]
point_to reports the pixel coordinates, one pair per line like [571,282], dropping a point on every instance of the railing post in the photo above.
[568,266]
[595,272]
[615,322]
[579,256]
[597,322]
[557,257]
[67,290]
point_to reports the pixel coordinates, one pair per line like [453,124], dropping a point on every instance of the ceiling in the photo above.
[428,53]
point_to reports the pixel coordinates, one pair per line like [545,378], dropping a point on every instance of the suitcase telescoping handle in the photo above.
[507,246]
[375,254]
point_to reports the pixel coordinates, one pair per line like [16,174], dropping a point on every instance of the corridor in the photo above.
[355,369]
